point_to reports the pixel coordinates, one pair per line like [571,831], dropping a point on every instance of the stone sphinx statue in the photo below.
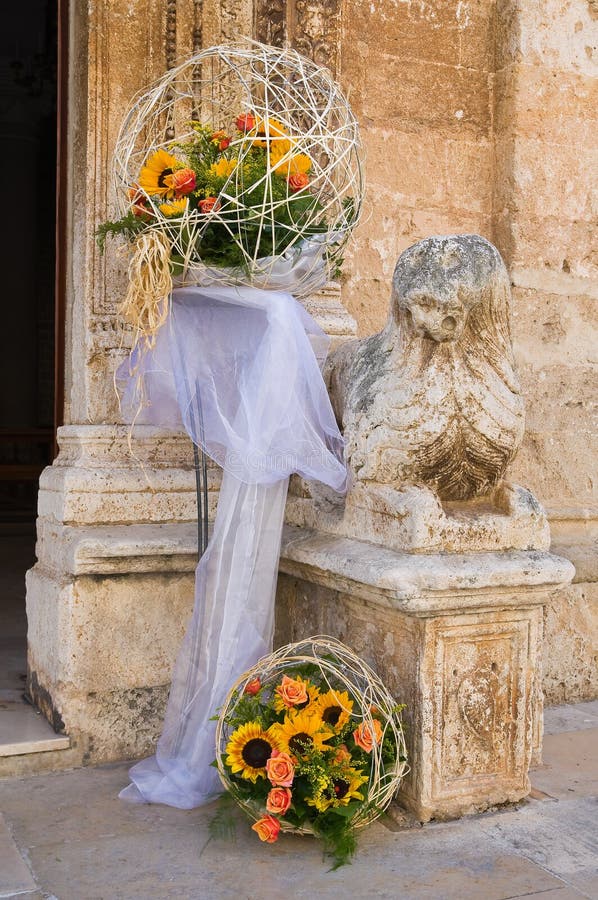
[432,412]
[433,399]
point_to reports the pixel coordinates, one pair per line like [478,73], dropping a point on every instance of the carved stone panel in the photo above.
[310,26]
[483,689]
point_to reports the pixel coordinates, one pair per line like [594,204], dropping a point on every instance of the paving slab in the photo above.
[15,875]
[570,765]
[572,717]
[24,730]
[83,843]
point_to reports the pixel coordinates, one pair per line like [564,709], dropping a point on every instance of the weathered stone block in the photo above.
[571,636]
[456,638]
[457,99]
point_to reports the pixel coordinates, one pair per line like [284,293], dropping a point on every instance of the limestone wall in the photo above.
[477,116]
[481,116]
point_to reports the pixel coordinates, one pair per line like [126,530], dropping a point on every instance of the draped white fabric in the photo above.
[240,369]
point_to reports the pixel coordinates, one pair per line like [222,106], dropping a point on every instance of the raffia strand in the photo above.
[146,304]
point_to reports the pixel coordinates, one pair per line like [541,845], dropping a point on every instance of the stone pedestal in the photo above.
[112,590]
[457,637]
[111,593]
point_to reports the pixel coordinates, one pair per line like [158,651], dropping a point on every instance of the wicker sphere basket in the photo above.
[306,108]
[339,669]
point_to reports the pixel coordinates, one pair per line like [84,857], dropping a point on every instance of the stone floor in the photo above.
[67,836]
[22,728]
[17,554]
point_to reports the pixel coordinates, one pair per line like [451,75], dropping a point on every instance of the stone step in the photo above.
[23,730]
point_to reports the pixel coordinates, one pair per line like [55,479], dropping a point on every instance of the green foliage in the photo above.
[129,227]
[223,823]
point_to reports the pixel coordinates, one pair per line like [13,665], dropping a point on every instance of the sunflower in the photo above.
[174,208]
[249,749]
[269,131]
[334,709]
[339,791]
[301,732]
[155,172]
[223,168]
[312,694]
[285,165]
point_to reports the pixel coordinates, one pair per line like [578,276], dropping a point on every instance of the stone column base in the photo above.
[457,637]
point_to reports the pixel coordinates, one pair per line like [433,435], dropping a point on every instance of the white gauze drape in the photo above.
[239,368]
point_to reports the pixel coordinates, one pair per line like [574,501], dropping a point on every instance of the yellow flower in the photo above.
[334,709]
[268,131]
[174,208]
[311,690]
[299,164]
[249,749]
[154,174]
[339,791]
[301,732]
[223,168]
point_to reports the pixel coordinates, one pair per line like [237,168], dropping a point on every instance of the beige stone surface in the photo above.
[82,841]
[15,875]
[476,118]
[524,176]
[24,730]
[412,518]
[457,638]
[571,656]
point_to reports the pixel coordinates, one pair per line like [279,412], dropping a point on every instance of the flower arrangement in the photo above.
[240,166]
[208,194]
[310,741]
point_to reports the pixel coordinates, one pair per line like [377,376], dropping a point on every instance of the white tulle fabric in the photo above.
[240,369]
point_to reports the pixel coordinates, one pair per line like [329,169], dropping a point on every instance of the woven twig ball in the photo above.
[299,113]
[337,669]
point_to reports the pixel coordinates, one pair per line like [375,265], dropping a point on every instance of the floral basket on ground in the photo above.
[310,741]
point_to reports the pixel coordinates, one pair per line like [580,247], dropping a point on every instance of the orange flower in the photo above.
[138,200]
[267,829]
[280,769]
[342,754]
[209,204]
[364,738]
[292,692]
[245,122]
[298,182]
[181,181]
[252,687]
[221,138]
[279,800]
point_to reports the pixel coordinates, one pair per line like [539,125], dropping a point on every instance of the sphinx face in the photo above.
[438,281]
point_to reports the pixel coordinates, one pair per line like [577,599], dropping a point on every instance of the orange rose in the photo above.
[221,138]
[209,204]
[280,769]
[267,829]
[252,687]
[291,692]
[298,182]
[138,200]
[182,181]
[140,209]
[364,738]
[278,800]
[342,754]
[245,122]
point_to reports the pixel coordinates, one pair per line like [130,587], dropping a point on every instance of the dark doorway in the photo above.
[28,61]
